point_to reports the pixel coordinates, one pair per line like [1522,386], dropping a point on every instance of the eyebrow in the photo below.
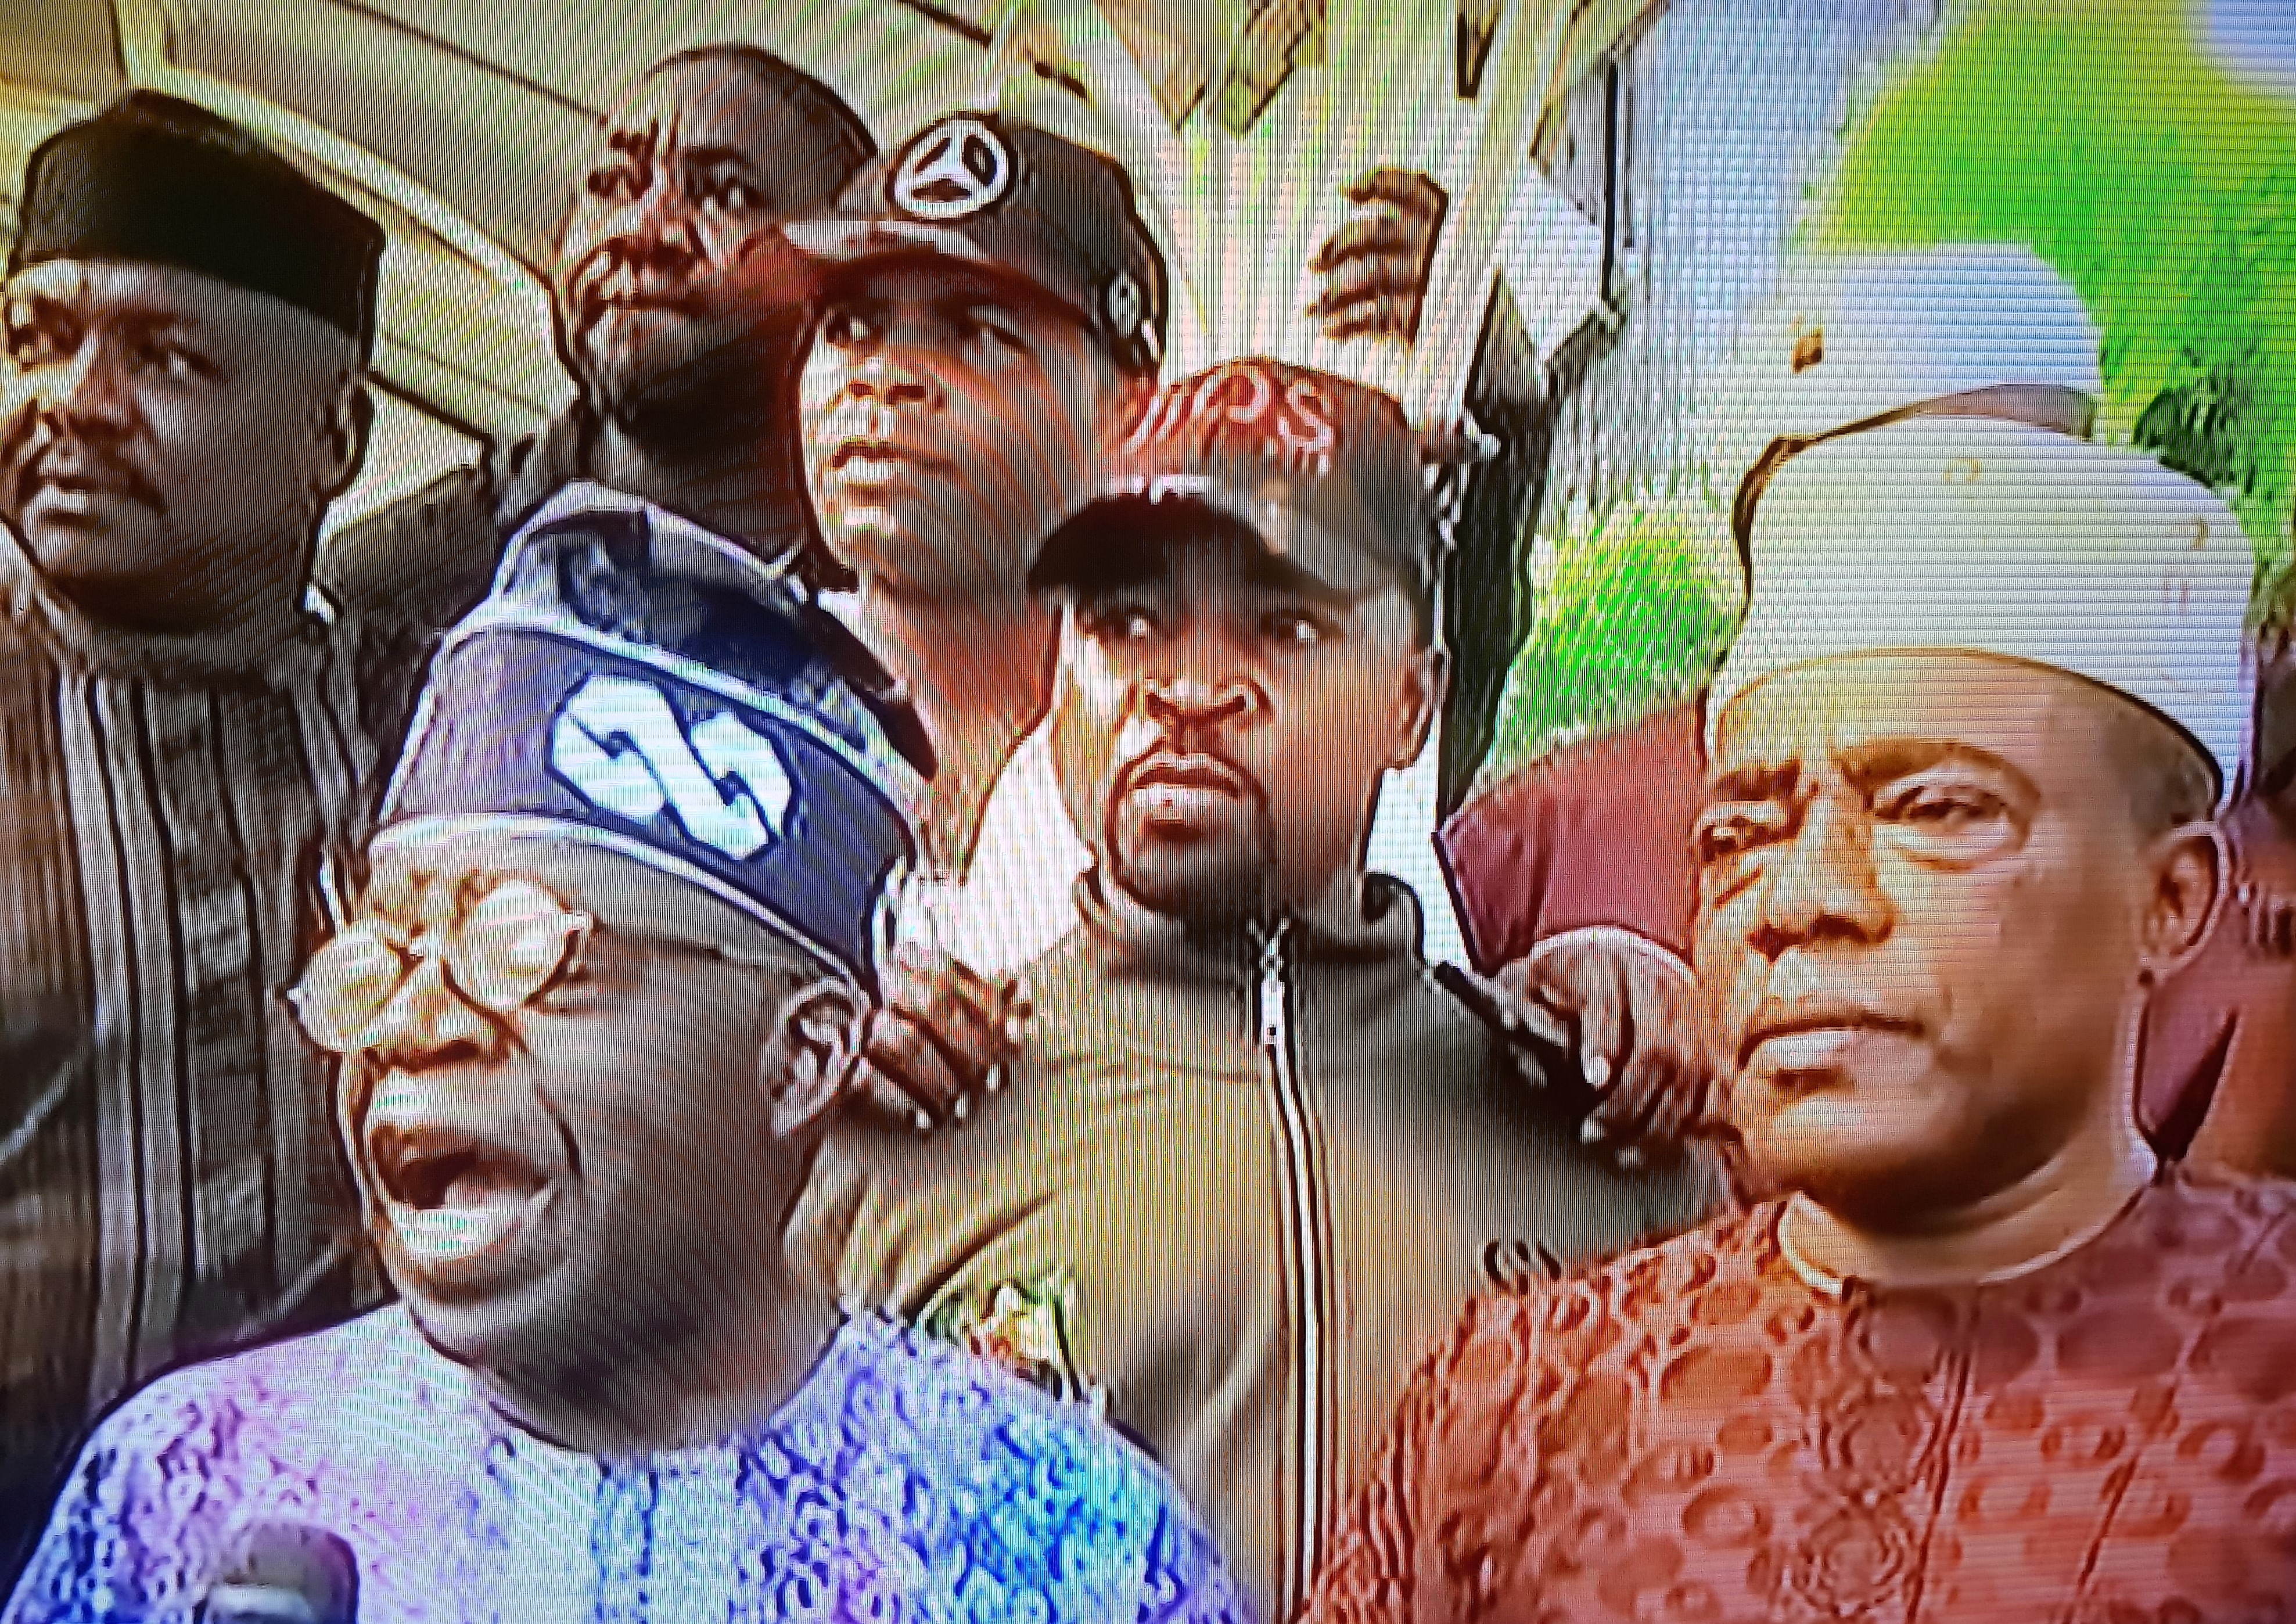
[1147,568]
[1883,760]
[138,313]
[1867,767]
[1763,781]
[965,297]
[633,142]
[709,157]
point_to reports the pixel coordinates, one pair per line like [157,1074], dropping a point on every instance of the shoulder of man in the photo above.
[1611,1309]
[154,1497]
[870,1162]
[427,559]
[1073,991]
[1598,832]
[1058,1482]
[422,561]
[1450,1480]
[18,636]
[2220,1219]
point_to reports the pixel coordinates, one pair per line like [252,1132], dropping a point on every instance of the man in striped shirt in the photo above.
[182,746]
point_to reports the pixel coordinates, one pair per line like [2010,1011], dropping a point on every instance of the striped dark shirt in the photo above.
[169,1183]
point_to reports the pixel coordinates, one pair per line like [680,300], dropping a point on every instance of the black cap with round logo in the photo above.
[1325,471]
[1005,195]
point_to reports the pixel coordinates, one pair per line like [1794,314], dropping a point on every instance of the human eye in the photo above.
[173,357]
[1736,830]
[989,331]
[516,943]
[845,328]
[616,181]
[1297,627]
[1121,622]
[1943,805]
[35,338]
[1946,814]
[727,192]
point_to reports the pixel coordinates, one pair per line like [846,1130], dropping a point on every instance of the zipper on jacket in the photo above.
[1309,1267]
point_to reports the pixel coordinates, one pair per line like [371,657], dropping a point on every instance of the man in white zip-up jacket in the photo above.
[1252,1145]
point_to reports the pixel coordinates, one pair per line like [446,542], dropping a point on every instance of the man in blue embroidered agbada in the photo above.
[599,996]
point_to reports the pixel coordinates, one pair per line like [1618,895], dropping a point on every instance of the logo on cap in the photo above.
[1290,419]
[1126,305]
[956,169]
[619,746]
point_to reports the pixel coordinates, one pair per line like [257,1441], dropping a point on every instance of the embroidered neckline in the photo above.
[1828,1283]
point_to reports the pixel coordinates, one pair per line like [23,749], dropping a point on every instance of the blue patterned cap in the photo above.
[637,686]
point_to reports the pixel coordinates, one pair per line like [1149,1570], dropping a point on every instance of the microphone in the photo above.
[286,1573]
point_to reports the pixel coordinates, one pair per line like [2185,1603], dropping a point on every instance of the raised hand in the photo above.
[1375,267]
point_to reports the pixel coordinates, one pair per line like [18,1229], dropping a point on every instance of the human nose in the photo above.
[1191,697]
[1823,887]
[87,393]
[660,231]
[428,1023]
[880,376]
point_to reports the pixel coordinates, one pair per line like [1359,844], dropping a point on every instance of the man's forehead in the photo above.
[247,322]
[161,289]
[704,103]
[935,282]
[1905,705]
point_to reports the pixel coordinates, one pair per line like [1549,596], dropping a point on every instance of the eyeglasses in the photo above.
[500,953]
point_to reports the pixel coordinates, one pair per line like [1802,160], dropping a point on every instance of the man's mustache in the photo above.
[51,459]
[617,274]
[1180,760]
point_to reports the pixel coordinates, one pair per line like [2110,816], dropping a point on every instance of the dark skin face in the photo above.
[949,420]
[588,1173]
[1223,720]
[168,442]
[1924,909]
[674,283]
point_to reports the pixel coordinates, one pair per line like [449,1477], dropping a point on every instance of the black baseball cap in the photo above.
[1002,194]
[1325,471]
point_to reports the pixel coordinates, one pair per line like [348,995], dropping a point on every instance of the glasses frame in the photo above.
[429,944]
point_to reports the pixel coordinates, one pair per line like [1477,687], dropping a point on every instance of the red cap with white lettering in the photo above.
[1325,471]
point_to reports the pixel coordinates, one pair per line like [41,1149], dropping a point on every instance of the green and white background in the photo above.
[1638,172]
[2145,149]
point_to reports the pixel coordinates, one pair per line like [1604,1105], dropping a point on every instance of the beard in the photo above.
[1212,886]
[701,377]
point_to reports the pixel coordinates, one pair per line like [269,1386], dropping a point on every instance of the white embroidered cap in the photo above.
[2000,538]
[1850,336]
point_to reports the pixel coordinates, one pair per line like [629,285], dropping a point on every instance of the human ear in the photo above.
[1426,679]
[2186,868]
[343,419]
[806,1064]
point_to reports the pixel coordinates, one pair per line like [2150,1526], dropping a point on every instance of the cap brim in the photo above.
[620,882]
[1145,504]
[843,245]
